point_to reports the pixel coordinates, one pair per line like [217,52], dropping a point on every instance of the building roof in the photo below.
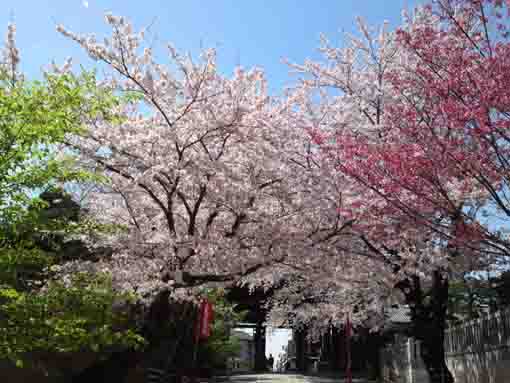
[397,319]
[398,315]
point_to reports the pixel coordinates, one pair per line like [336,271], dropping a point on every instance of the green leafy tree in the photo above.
[470,298]
[35,119]
[36,313]
[65,317]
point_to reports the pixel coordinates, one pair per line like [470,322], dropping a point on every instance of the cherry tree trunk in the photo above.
[260,347]
[433,355]
[169,331]
[428,312]
[301,364]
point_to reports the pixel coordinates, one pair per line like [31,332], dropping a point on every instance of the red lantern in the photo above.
[205,318]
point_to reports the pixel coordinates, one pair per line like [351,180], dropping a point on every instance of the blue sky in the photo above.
[249,33]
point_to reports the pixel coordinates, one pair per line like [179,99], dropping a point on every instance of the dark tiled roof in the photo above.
[399,315]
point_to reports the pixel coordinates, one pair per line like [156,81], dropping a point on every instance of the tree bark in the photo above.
[169,331]
[300,350]
[260,347]
[428,313]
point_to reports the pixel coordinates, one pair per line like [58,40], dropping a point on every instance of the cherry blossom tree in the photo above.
[211,178]
[446,160]
[315,303]
[416,119]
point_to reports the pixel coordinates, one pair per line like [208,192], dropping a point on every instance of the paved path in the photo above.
[286,378]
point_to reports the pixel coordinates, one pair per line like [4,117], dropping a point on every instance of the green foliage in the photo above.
[36,119]
[60,317]
[21,265]
[470,298]
[65,317]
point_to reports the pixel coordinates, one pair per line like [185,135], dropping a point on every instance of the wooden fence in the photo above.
[484,334]
[477,351]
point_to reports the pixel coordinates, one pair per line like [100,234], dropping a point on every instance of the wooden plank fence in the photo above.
[479,335]
[477,351]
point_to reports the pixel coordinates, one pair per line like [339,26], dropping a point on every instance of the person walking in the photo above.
[270,362]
